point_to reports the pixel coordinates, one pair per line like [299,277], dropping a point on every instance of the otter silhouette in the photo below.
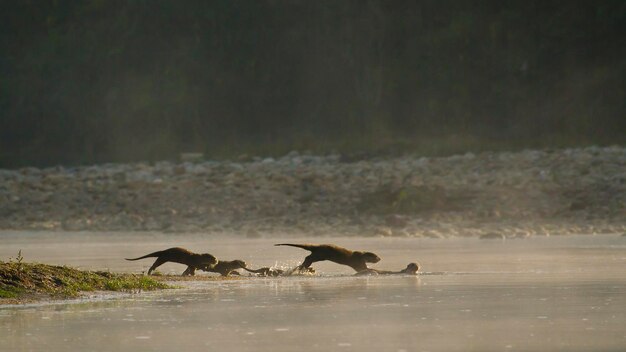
[266,271]
[410,269]
[182,256]
[226,267]
[357,260]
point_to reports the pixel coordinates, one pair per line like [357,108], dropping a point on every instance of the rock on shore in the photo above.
[509,194]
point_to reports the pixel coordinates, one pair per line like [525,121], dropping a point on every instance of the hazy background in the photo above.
[98,81]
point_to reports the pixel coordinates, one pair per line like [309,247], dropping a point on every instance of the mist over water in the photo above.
[556,293]
[427,124]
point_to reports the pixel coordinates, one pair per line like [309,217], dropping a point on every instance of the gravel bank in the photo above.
[520,194]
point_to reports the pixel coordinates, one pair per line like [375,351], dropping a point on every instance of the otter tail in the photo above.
[155,254]
[308,247]
[257,271]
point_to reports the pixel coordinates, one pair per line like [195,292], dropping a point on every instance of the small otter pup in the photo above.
[410,269]
[226,267]
[182,256]
[357,260]
[273,272]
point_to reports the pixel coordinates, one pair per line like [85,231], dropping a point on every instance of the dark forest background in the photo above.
[108,81]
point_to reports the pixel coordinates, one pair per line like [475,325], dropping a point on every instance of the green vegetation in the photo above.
[20,280]
[95,81]
[10,292]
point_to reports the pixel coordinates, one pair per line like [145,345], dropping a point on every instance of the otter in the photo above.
[266,271]
[182,256]
[410,269]
[225,267]
[357,260]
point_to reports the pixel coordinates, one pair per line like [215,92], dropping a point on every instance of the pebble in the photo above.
[487,195]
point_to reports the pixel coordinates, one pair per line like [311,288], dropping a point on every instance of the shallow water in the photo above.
[538,294]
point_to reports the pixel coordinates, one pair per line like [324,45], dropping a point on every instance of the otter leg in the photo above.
[191,271]
[308,261]
[157,263]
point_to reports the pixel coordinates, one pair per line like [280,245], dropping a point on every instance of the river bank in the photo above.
[503,194]
[22,282]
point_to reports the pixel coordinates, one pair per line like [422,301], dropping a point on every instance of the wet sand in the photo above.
[537,294]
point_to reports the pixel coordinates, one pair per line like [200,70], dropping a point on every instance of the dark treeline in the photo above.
[102,80]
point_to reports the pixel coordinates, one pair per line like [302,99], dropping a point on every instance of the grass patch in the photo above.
[134,283]
[22,280]
[9,292]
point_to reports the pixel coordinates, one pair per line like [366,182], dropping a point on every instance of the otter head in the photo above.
[208,260]
[369,257]
[412,268]
[239,263]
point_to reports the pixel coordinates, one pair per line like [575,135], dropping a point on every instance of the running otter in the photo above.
[410,269]
[226,267]
[357,260]
[182,256]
